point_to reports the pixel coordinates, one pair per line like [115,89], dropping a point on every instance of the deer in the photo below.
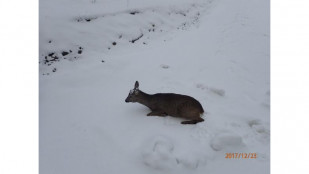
[168,104]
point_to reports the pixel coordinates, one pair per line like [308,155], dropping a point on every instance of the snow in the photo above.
[216,51]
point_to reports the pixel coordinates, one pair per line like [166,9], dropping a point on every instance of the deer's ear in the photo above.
[136,85]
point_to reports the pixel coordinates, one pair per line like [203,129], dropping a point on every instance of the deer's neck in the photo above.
[145,99]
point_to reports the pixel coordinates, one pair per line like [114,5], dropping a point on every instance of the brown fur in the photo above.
[163,104]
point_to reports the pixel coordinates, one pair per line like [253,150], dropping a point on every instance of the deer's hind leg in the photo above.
[193,121]
[157,113]
[192,115]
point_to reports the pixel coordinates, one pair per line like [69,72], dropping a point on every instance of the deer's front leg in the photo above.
[157,113]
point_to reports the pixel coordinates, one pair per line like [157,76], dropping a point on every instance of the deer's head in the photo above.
[134,94]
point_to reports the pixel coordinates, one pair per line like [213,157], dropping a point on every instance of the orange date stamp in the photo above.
[240,155]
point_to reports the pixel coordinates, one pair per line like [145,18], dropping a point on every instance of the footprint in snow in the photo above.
[165,66]
[261,131]
[158,153]
[257,126]
[219,92]
[226,141]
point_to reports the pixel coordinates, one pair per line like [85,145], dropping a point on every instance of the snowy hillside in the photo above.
[93,51]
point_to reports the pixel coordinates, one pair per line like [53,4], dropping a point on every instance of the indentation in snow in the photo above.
[165,66]
[226,140]
[158,153]
[219,92]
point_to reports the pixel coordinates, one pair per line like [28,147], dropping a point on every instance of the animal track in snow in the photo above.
[219,92]
[164,66]
[260,129]
[225,141]
[258,126]
[159,154]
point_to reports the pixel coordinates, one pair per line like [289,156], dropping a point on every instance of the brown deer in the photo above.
[164,104]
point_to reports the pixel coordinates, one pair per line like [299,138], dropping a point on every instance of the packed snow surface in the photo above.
[93,51]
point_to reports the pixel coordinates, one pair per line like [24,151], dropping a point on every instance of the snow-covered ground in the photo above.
[93,51]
